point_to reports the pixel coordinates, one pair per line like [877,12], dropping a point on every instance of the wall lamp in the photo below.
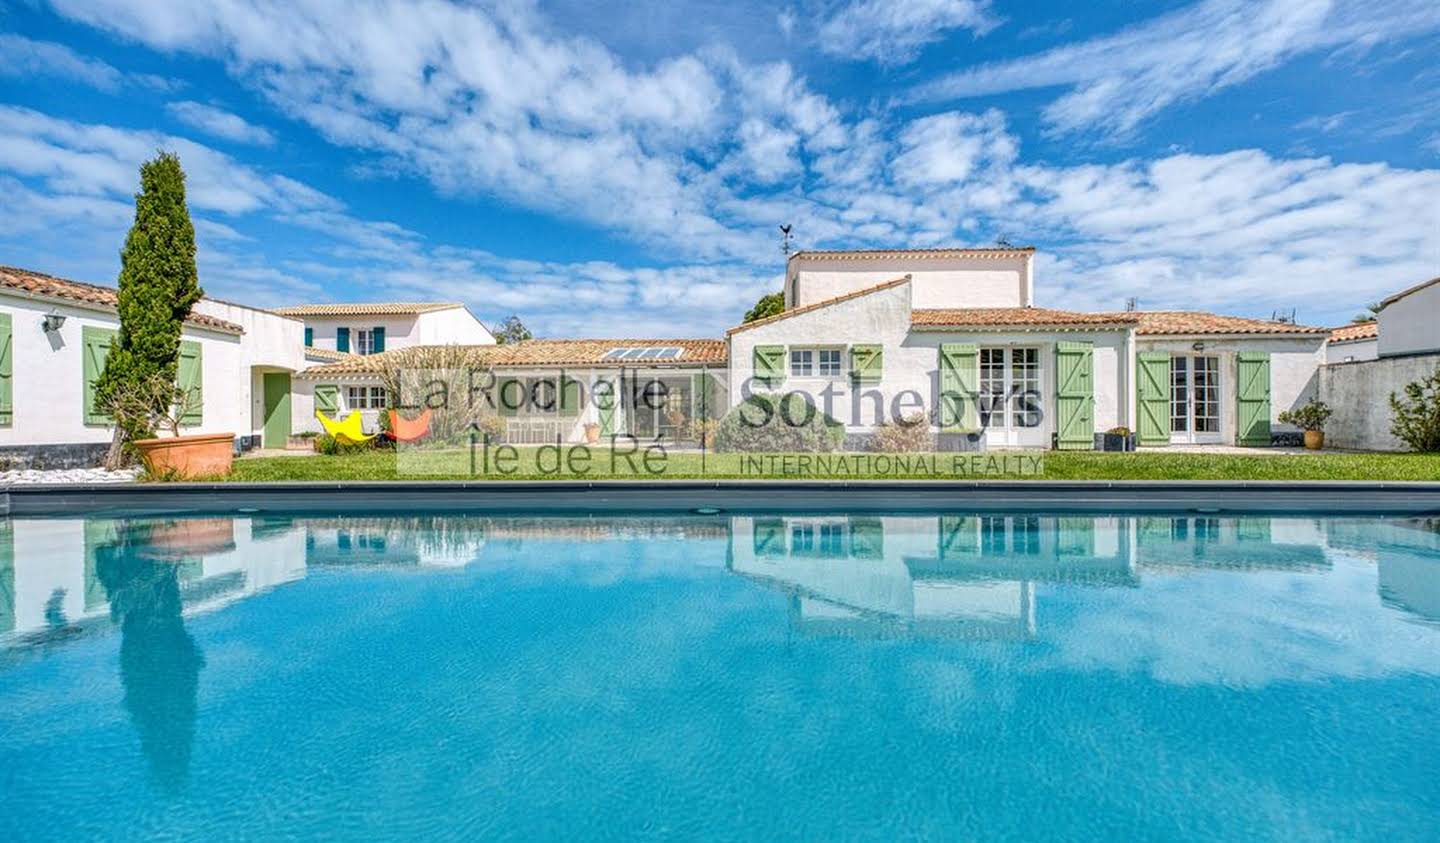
[1199,346]
[52,322]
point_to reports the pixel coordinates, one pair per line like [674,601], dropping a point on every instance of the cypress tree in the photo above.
[158,285]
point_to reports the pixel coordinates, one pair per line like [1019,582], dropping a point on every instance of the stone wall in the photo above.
[1360,395]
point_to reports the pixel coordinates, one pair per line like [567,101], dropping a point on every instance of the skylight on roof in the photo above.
[648,352]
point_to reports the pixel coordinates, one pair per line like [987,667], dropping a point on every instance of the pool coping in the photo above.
[1327,497]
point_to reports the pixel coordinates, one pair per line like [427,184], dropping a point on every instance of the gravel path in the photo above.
[68,475]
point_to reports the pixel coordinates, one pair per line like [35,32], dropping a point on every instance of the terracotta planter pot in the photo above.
[592,433]
[204,455]
[191,537]
[1314,439]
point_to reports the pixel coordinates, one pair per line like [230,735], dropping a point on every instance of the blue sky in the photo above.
[608,171]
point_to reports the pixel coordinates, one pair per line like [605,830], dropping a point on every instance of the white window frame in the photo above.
[812,366]
[363,340]
[1216,390]
[370,397]
[1002,389]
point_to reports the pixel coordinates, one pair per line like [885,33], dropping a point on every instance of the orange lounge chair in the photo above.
[404,430]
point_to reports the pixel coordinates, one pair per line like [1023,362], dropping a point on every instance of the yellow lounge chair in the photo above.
[347,431]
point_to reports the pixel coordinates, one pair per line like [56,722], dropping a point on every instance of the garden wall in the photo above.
[1360,395]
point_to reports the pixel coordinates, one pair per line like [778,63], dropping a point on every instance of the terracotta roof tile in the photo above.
[1018,317]
[796,311]
[532,353]
[48,286]
[1356,331]
[327,354]
[1187,322]
[393,308]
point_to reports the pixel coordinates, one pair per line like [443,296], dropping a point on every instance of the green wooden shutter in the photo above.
[1075,396]
[309,337]
[769,362]
[342,339]
[959,387]
[1252,398]
[1153,397]
[7,370]
[94,348]
[508,397]
[377,339]
[327,398]
[570,398]
[702,395]
[866,363]
[605,399]
[190,377]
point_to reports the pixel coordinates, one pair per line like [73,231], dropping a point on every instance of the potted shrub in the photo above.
[1115,439]
[155,403]
[1310,418]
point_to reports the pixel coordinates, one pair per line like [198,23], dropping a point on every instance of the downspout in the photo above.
[1132,408]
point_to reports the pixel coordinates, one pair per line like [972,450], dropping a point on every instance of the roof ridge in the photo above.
[796,311]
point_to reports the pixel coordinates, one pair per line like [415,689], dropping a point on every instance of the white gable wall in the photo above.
[1409,325]
[935,282]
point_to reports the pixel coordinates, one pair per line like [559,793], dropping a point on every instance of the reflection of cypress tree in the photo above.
[159,662]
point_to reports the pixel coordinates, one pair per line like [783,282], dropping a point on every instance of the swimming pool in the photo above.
[945,676]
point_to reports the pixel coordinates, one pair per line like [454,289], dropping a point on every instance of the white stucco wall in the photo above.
[453,326]
[1354,351]
[48,382]
[947,282]
[912,359]
[1294,370]
[1411,325]
[1360,392]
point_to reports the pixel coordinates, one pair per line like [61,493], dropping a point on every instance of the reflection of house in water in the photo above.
[50,586]
[966,576]
[418,541]
[1409,557]
[1235,543]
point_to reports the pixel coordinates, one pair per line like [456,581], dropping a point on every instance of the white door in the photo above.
[1012,397]
[1194,399]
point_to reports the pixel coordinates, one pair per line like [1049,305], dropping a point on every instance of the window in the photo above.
[810,362]
[1025,387]
[1010,387]
[364,342]
[365,397]
[1194,394]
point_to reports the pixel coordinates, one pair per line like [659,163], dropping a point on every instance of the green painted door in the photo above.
[959,387]
[1153,397]
[277,410]
[1074,396]
[1252,398]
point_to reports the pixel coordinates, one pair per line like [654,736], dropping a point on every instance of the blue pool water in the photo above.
[810,678]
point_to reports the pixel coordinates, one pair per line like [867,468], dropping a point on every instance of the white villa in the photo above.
[869,335]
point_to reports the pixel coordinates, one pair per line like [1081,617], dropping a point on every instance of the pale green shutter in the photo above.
[959,387]
[866,363]
[569,396]
[509,395]
[94,348]
[1074,396]
[702,389]
[327,398]
[190,377]
[1252,398]
[7,370]
[1153,397]
[769,361]
[605,399]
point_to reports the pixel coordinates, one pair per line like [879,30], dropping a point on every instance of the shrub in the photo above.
[704,431]
[1122,430]
[778,424]
[910,434]
[1416,418]
[332,447]
[1311,416]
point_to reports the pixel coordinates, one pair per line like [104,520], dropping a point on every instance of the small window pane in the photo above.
[802,362]
[830,362]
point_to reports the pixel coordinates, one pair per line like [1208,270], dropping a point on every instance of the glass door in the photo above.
[1011,397]
[1194,398]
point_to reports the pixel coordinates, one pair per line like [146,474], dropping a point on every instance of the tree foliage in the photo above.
[768,305]
[511,330]
[158,286]
[1416,417]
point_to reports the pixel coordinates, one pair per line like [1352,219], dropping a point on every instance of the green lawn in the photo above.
[383,465]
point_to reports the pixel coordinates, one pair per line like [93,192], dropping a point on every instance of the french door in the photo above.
[1011,396]
[1194,398]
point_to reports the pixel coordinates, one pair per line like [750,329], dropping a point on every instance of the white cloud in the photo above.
[219,123]
[894,31]
[1117,81]
[24,57]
